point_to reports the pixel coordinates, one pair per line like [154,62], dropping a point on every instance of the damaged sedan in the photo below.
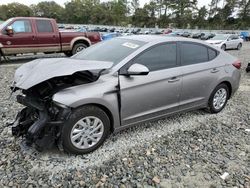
[75,103]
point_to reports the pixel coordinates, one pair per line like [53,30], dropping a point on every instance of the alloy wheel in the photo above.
[220,98]
[87,132]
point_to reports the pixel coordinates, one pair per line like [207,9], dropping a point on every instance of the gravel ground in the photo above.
[191,149]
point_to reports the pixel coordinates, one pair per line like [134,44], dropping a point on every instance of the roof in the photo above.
[159,38]
[32,18]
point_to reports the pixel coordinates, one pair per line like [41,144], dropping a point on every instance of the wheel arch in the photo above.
[106,110]
[229,85]
[78,40]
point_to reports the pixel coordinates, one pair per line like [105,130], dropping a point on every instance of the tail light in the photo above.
[237,64]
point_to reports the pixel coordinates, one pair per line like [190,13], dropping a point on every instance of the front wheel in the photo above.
[85,130]
[218,98]
[223,47]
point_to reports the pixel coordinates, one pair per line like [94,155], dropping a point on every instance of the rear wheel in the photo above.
[85,130]
[239,46]
[78,47]
[223,47]
[218,98]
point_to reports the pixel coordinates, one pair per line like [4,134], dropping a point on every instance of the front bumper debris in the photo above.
[37,125]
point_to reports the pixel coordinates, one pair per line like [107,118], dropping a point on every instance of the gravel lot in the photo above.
[186,150]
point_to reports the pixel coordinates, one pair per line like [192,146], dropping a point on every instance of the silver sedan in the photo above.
[77,102]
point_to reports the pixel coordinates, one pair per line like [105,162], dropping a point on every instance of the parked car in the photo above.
[112,29]
[186,34]
[226,41]
[207,36]
[197,35]
[245,35]
[248,68]
[167,31]
[77,102]
[109,36]
[32,35]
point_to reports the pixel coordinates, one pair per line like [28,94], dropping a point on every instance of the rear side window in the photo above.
[211,54]
[44,26]
[159,57]
[192,53]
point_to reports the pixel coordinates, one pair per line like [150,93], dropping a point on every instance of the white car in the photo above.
[226,41]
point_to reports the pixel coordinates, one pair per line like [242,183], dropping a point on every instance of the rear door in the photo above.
[232,42]
[47,36]
[23,40]
[200,74]
[236,40]
[153,95]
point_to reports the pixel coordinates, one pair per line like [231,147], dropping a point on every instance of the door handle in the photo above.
[215,70]
[173,79]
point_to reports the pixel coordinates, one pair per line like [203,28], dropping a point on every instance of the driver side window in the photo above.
[159,57]
[21,26]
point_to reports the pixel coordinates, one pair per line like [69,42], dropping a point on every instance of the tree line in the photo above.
[219,14]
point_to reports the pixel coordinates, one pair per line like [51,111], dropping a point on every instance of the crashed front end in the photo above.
[41,120]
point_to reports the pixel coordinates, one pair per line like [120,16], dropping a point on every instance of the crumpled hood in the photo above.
[40,70]
[214,41]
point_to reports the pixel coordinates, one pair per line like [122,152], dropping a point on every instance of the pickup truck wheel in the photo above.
[68,54]
[85,130]
[78,47]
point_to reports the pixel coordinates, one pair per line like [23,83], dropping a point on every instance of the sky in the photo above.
[61,2]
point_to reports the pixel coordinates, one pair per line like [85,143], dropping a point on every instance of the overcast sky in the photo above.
[61,2]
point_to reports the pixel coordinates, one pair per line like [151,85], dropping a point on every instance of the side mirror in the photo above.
[229,39]
[137,69]
[9,30]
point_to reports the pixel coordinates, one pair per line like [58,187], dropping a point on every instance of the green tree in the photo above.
[14,10]
[182,10]
[200,19]
[244,13]
[49,9]
[140,17]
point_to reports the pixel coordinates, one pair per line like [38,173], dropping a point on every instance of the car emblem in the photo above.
[8,42]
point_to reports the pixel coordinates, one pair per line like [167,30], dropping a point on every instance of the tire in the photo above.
[48,52]
[82,143]
[239,46]
[214,107]
[68,54]
[78,47]
[223,47]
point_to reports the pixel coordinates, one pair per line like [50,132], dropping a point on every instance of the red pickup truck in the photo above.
[34,34]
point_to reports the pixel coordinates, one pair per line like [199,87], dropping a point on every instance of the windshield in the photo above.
[220,37]
[5,23]
[113,50]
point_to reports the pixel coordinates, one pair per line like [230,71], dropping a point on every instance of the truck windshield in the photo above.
[2,25]
[113,50]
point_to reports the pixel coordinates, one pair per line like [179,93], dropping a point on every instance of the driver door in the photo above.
[144,97]
[23,39]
